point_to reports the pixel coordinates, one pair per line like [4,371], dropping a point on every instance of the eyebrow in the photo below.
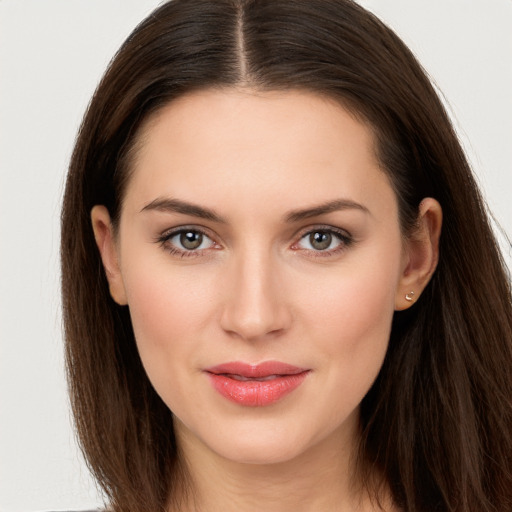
[322,209]
[177,206]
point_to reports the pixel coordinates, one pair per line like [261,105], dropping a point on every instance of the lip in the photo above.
[256,385]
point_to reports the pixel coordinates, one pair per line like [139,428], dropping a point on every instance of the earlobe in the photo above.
[104,236]
[421,254]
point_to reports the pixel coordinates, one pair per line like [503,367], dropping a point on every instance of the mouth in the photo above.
[242,378]
[256,385]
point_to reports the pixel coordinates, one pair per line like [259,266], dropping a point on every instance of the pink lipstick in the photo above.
[255,385]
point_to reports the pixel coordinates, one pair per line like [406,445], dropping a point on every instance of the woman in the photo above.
[281,290]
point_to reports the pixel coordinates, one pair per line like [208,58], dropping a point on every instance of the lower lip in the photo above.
[254,393]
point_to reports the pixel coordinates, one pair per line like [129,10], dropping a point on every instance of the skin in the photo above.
[259,289]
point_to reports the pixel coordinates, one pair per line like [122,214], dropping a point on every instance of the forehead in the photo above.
[219,145]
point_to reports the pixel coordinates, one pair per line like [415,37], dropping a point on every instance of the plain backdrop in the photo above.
[52,54]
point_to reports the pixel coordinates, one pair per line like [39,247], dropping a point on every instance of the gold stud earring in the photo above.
[409,296]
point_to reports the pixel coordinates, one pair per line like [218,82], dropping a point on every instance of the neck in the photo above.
[322,478]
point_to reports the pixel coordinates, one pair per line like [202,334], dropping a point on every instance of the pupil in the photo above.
[191,240]
[320,240]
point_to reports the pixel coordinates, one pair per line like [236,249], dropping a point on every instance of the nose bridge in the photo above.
[254,305]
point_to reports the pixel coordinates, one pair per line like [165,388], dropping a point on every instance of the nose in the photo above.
[255,306]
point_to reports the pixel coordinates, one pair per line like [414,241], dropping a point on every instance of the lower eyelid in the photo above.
[183,253]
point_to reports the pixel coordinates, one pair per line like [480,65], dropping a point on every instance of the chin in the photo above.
[260,453]
[263,443]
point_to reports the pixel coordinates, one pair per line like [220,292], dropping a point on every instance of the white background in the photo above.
[52,54]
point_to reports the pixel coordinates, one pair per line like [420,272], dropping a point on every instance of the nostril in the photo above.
[255,322]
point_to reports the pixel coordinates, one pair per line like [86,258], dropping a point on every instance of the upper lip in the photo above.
[259,370]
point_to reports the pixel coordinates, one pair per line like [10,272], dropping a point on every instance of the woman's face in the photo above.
[260,254]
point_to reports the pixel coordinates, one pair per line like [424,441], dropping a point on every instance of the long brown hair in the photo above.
[438,420]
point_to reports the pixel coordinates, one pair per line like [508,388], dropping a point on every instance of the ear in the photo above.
[421,254]
[105,240]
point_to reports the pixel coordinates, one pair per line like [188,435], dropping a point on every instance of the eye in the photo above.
[328,241]
[189,240]
[186,241]
[320,240]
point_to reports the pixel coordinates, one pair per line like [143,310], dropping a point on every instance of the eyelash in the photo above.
[345,241]
[344,238]
[164,241]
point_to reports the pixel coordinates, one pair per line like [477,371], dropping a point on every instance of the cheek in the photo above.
[169,308]
[165,298]
[350,314]
[350,322]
